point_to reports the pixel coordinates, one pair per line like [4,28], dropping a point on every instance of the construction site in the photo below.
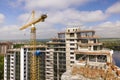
[74,55]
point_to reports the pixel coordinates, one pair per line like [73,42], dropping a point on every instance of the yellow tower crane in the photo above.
[34,72]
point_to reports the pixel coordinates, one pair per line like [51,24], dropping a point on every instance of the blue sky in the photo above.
[103,16]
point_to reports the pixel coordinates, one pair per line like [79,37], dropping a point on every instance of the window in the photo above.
[47,56]
[101,58]
[71,34]
[92,58]
[12,78]
[81,57]
[71,61]
[12,66]
[72,44]
[95,47]
[71,57]
[72,48]
[12,70]
[71,39]
[24,76]
[71,53]
[76,29]
[68,30]
[84,41]
[25,49]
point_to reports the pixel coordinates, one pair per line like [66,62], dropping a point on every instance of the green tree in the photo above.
[1,67]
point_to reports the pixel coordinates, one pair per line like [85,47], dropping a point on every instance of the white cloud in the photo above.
[89,16]
[108,29]
[49,5]
[24,18]
[61,12]
[2,17]
[115,8]
[69,16]
[53,4]
[48,28]
[10,32]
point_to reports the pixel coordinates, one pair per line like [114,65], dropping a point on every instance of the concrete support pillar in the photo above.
[92,48]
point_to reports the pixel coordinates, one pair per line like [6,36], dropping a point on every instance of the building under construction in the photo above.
[89,60]
[75,55]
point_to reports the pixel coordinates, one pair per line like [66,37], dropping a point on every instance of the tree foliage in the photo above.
[112,44]
[1,67]
[18,45]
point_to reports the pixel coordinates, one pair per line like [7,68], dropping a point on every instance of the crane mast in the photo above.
[34,60]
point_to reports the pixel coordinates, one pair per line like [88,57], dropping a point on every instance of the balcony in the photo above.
[88,44]
[98,52]
[88,37]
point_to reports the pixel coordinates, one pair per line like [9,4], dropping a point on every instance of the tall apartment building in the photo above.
[25,60]
[86,59]
[12,65]
[17,63]
[66,46]
[82,41]
[57,45]
[58,56]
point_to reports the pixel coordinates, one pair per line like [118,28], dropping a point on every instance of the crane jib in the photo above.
[42,18]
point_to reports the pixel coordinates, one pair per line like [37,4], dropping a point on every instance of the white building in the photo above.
[85,56]
[12,65]
[17,63]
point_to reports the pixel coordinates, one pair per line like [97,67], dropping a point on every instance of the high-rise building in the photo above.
[25,61]
[86,59]
[12,65]
[17,63]
[57,45]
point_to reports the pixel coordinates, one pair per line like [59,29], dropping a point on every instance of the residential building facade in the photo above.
[12,65]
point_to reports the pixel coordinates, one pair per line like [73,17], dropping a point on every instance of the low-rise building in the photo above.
[4,46]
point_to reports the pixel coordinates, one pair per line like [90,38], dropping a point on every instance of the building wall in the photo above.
[5,46]
[17,64]
[71,45]
[11,65]
[49,65]
[26,61]
[58,47]
[22,64]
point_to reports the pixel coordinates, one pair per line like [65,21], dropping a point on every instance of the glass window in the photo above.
[92,58]
[71,34]
[84,41]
